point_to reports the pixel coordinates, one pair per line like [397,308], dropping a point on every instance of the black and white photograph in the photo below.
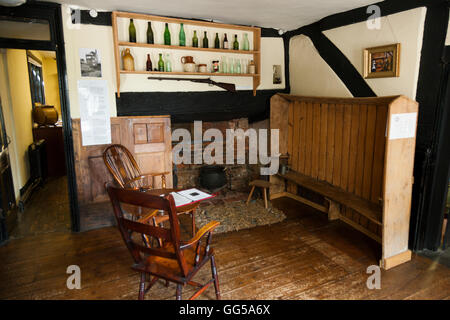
[90,63]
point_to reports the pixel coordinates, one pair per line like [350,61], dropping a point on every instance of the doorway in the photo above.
[37,27]
[32,116]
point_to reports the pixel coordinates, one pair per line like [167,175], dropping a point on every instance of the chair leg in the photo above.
[216,277]
[142,286]
[193,222]
[265,197]
[250,195]
[179,289]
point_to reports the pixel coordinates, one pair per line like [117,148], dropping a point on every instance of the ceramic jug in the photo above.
[187,59]
[128,60]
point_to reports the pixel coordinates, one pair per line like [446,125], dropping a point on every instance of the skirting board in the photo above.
[396,260]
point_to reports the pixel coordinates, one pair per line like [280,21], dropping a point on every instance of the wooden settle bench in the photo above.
[351,158]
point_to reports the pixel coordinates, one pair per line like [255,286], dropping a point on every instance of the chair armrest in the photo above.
[154,174]
[200,233]
[151,175]
[148,216]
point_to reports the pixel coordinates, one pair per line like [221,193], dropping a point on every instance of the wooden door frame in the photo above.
[51,12]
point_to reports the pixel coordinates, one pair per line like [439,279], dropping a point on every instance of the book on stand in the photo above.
[188,196]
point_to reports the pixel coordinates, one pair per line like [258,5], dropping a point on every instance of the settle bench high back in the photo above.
[355,147]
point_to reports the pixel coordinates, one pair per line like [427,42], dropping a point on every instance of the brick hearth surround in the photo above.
[239,175]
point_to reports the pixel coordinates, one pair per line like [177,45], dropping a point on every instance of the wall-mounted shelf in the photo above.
[163,46]
[255,53]
[215,74]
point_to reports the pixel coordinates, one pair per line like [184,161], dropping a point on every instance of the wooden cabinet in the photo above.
[120,42]
[148,139]
[53,136]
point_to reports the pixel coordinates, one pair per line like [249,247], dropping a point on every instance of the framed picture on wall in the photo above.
[90,63]
[382,62]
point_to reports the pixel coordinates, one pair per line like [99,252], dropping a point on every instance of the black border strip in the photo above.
[426,216]
[197,105]
[104,19]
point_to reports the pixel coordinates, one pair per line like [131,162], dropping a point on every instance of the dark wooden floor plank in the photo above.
[303,257]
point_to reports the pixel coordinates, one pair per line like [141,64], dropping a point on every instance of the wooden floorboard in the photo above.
[303,257]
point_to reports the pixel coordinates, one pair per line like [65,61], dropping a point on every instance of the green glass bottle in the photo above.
[182,36]
[195,40]
[160,63]
[235,43]
[205,41]
[167,41]
[132,31]
[217,42]
[150,33]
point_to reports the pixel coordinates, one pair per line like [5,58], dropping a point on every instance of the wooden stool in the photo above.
[262,184]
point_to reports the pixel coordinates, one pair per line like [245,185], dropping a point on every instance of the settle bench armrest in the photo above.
[200,233]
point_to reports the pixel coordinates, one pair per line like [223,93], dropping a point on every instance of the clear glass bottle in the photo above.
[167,63]
[246,44]
[223,65]
[238,66]
[244,67]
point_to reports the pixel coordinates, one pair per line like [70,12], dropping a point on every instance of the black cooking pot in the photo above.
[212,177]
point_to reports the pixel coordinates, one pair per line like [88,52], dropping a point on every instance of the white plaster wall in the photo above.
[309,74]
[405,28]
[87,36]
[100,37]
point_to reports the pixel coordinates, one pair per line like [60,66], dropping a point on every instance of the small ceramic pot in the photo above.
[202,68]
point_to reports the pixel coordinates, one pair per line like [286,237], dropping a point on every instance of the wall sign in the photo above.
[402,125]
[94,112]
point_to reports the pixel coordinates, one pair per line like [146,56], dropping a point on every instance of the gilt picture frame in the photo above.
[382,61]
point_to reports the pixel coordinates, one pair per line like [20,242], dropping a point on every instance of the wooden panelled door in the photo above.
[148,139]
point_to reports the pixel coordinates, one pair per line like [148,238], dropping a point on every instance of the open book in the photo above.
[189,196]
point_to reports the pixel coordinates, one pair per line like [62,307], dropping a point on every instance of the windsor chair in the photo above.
[175,260]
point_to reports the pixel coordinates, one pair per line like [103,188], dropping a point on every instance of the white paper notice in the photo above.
[403,125]
[94,112]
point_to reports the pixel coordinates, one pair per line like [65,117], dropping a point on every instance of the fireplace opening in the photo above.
[213,178]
